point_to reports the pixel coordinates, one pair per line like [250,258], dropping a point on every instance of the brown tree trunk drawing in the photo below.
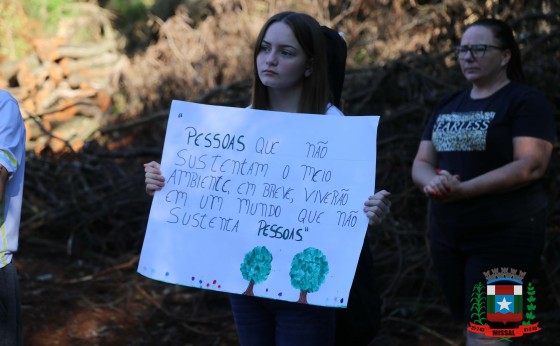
[302,297]
[249,290]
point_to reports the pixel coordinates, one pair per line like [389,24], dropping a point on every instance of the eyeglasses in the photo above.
[477,50]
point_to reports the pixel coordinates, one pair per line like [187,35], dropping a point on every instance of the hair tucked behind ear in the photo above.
[315,90]
[504,34]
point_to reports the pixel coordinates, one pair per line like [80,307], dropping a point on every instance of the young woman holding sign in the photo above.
[291,75]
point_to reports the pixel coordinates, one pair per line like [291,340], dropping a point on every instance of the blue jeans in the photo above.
[263,322]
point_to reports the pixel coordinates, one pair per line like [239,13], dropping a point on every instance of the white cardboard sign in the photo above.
[262,203]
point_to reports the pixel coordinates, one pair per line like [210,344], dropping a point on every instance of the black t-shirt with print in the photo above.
[474,136]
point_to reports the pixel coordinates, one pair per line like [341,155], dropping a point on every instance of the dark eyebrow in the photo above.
[283,45]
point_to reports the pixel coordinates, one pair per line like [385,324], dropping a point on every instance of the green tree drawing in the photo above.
[309,269]
[530,306]
[478,304]
[255,267]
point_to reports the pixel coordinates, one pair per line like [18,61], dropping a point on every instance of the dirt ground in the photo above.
[68,301]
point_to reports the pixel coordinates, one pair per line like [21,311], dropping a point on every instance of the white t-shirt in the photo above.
[12,157]
[331,110]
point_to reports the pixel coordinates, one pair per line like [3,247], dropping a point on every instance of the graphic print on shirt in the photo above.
[461,131]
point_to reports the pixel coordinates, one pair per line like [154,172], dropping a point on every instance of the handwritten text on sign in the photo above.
[261,203]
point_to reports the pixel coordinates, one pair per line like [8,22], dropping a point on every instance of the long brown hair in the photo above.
[315,91]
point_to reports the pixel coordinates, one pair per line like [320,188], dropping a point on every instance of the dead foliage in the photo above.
[86,210]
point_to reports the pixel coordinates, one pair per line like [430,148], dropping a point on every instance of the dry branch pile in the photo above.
[91,204]
[64,91]
[65,88]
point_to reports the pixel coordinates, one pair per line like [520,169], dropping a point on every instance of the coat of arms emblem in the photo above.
[497,311]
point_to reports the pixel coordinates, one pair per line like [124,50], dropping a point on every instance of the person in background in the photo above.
[12,168]
[480,162]
[290,75]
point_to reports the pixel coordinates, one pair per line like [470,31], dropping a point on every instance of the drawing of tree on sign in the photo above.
[255,267]
[309,269]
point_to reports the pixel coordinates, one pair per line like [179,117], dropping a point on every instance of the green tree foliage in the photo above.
[256,267]
[132,21]
[49,12]
[309,269]
[21,21]
[531,307]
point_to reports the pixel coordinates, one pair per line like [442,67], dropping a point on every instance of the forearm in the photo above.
[3,179]
[510,177]
[422,173]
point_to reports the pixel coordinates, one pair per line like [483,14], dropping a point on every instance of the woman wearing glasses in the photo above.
[481,161]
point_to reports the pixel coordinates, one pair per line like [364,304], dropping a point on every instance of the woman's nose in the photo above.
[271,59]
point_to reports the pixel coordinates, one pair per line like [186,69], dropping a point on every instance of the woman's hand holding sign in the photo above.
[154,180]
[377,207]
